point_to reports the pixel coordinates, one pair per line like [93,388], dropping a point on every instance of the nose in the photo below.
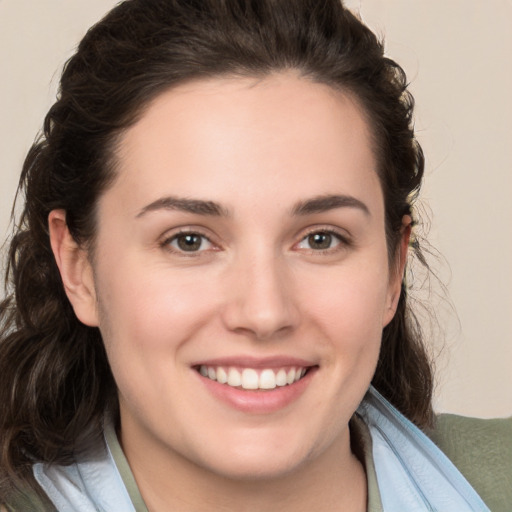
[260,301]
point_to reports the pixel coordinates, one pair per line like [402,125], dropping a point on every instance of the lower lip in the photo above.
[258,401]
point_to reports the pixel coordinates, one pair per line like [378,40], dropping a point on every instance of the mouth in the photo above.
[253,378]
[256,386]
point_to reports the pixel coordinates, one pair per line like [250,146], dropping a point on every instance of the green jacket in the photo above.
[482,451]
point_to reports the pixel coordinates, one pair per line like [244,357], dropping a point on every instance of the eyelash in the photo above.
[342,242]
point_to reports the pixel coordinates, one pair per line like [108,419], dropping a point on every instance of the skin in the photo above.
[256,287]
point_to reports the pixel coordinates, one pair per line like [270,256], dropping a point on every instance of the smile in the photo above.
[251,378]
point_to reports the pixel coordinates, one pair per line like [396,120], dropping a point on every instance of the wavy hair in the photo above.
[55,380]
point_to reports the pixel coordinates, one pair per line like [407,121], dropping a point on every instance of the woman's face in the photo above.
[243,240]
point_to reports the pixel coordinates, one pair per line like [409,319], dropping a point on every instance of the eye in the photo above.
[189,242]
[320,241]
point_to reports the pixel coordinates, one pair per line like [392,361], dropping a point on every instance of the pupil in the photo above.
[189,242]
[320,240]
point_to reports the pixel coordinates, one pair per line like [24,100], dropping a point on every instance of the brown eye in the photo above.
[320,241]
[190,242]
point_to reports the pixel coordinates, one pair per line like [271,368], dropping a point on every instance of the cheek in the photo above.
[351,300]
[147,317]
[146,320]
[349,309]
[353,328]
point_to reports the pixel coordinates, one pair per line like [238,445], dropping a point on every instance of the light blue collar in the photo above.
[413,474]
[92,484]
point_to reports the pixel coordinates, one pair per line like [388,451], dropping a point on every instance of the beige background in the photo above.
[457,54]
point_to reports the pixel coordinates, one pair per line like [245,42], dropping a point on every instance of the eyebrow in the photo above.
[196,206]
[210,208]
[328,202]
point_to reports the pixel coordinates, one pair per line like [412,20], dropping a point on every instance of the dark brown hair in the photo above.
[55,380]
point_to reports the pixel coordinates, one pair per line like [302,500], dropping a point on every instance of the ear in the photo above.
[75,269]
[397,275]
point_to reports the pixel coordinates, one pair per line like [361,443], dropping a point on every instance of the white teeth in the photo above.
[222,376]
[234,377]
[249,378]
[290,376]
[267,379]
[281,378]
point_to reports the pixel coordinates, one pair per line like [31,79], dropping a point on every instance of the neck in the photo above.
[335,480]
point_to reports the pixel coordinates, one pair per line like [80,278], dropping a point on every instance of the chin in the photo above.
[268,455]
[258,468]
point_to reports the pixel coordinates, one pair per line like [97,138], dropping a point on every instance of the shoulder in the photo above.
[482,451]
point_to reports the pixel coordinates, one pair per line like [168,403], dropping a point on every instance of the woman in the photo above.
[208,308]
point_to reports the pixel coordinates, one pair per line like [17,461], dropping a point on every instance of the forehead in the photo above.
[234,138]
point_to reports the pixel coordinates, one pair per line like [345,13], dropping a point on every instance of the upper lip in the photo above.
[246,361]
